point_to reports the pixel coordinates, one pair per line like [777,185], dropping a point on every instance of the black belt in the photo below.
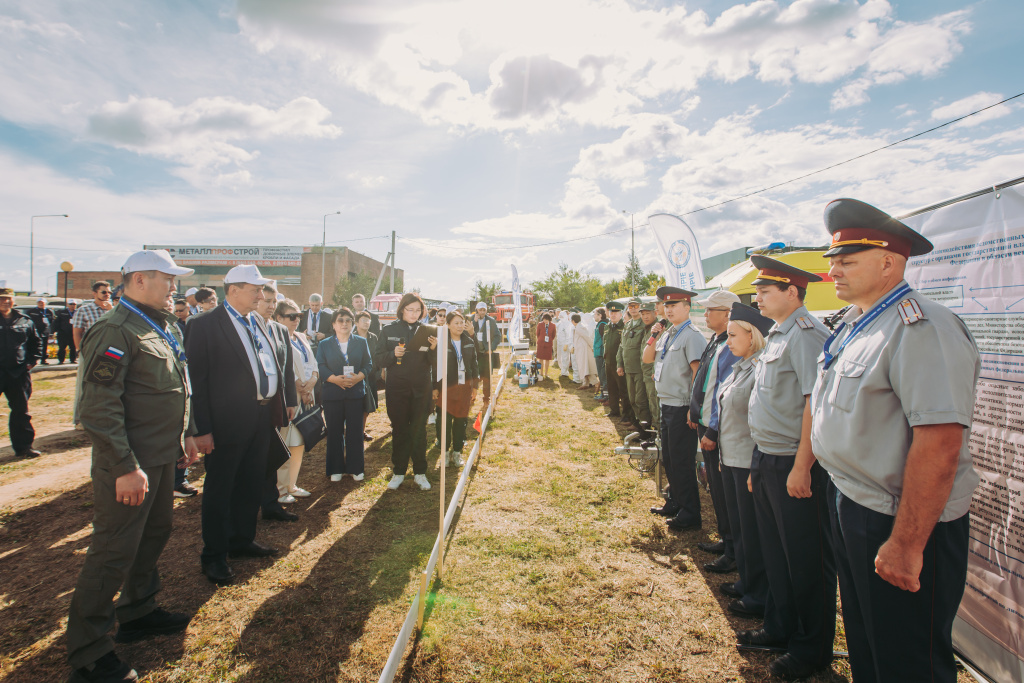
[265,401]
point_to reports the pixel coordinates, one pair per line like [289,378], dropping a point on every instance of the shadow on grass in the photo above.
[50,444]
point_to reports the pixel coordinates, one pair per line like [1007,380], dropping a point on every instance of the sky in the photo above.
[477,130]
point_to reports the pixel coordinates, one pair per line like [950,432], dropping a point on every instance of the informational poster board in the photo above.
[977,270]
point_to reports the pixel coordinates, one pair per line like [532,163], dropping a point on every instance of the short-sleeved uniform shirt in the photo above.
[675,378]
[783,378]
[915,364]
[734,441]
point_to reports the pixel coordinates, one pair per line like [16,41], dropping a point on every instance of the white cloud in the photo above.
[970,104]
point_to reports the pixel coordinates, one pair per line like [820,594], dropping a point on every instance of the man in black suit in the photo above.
[316,321]
[42,318]
[241,392]
[359,305]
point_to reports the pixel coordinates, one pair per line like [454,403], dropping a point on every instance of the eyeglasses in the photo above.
[345,321]
[291,316]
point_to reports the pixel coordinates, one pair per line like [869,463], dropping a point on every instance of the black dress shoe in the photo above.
[280,516]
[219,572]
[723,565]
[760,638]
[157,623]
[27,453]
[106,669]
[254,549]
[789,668]
[683,523]
[729,589]
[740,609]
[716,548]
[666,510]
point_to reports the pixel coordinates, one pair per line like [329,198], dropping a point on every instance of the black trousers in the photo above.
[618,396]
[679,451]
[344,436]
[408,410]
[796,543]
[739,505]
[233,490]
[66,344]
[893,634]
[711,462]
[18,389]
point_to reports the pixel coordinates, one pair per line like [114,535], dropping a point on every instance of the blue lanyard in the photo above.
[301,347]
[248,326]
[458,351]
[171,341]
[344,356]
[889,300]
[682,327]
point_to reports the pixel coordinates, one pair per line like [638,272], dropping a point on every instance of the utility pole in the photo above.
[392,290]
[632,255]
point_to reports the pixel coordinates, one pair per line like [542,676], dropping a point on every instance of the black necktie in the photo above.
[264,379]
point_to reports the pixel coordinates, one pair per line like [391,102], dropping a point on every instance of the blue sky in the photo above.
[467,124]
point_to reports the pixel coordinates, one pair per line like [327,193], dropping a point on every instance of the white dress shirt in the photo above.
[250,351]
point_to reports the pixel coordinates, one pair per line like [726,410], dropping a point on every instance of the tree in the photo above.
[568,287]
[484,292]
[645,284]
[362,283]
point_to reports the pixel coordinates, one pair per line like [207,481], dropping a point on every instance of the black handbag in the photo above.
[312,426]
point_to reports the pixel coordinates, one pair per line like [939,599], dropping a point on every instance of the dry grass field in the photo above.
[555,570]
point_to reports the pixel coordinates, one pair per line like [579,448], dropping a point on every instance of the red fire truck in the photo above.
[503,308]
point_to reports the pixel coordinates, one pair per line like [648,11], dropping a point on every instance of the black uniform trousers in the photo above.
[618,395]
[233,489]
[796,543]
[344,420]
[893,634]
[18,389]
[408,410]
[123,552]
[711,462]
[66,346]
[739,505]
[679,451]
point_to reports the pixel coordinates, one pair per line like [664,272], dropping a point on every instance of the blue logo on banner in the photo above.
[679,253]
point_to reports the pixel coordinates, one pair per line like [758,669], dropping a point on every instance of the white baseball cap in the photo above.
[247,274]
[153,259]
[480,304]
[720,298]
[191,291]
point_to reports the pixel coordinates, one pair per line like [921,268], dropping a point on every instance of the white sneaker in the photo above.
[357,477]
[299,493]
[336,477]
[421,481]
[448,458]
[396,481]
[286,498]
[456,458]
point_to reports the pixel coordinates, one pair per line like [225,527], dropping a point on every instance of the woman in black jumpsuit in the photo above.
[407,390]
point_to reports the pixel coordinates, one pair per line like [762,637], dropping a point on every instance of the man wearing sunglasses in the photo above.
[85,317]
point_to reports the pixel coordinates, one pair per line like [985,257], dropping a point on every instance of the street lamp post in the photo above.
[32,247]
[323,254]
[632,254]
[67,267]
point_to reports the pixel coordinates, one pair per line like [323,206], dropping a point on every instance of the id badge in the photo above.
[268,364]
[480,336]
[462,376]
[657,370]
[348,370]
[546,339]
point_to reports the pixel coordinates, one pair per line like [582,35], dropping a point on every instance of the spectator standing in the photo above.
[564,328]
[358,306]
[190,298]
[547,337]
[488,338]
[307,374]
[463,376]
[618,395]
[364,321]
[20,348]
[182,312]
[583,353]
[629,363]
[65,331]
[84,318]
[42,318]
[601,320]
[206,299]
[315,322]
[344,361]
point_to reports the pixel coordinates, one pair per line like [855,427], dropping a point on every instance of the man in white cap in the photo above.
[190,297]
[488,337]
[242,392]
[135,407]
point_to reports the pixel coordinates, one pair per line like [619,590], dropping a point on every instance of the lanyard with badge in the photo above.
[176,349]
[299,346]
[889,300]
[264,356]
[347,370]
[664,350]
[457,345]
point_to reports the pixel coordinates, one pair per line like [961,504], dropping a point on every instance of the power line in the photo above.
[859,156]
[524,246]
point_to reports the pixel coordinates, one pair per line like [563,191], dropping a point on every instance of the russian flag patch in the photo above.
[111,352]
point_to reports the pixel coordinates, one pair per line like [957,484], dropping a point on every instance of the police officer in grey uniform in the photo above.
[788,485]
[629,363]
[892,412]
[676,355]
[135,407]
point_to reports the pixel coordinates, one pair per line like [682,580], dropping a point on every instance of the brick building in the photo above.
[80,282]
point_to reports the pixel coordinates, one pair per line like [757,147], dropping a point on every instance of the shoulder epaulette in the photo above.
[910,311]
[805,323]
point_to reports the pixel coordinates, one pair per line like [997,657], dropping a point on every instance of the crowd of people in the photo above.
[834,458]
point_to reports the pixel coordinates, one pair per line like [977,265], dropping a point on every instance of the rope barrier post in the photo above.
[424,579]
[442,364]
[490,358]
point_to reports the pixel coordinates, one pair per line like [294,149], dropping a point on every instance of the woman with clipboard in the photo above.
[405,355]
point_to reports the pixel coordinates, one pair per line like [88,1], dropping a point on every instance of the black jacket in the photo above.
[323,328]
[414,373]
[224,391]
[706,358]
[20,344]
[469,360]
[62,324]
[42,318]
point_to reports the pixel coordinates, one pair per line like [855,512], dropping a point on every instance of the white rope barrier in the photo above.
[414,619]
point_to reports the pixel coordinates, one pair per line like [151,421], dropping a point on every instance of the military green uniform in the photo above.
[629,359]
[647,370]
[617,392]
[135,407]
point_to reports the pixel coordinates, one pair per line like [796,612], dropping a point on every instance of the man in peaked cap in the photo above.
[136,408]
[676,355]
[788,484]
[892,411]
[618,394]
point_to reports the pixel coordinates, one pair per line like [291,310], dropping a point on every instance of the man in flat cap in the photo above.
[652,330]
[629,364]
[20,350]
[618,394]
[676,355]
[892,416]
[788,484]
[135,406]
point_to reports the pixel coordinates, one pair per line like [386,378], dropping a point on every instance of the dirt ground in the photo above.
[555,570]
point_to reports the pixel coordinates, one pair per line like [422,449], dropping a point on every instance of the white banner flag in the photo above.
[515,326]
[679,252]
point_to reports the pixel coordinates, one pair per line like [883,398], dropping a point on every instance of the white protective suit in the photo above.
[584,365]
[564,356]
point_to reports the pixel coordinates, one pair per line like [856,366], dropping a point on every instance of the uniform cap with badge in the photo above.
[749,314]
[648,306]
[670,295]
[615,306]
[773,272]
[634,300]
[6,291]
[153,259]
[857,226]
